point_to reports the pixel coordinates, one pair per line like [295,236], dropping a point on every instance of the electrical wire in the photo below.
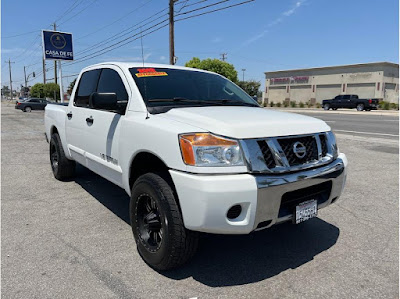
[215,10]
[78,13]
[117,20]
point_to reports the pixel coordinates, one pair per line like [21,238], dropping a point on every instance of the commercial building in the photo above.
[368,80]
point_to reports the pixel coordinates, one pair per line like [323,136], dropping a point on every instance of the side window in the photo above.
[110,81]
[346,97]
[34,101]
[87,85]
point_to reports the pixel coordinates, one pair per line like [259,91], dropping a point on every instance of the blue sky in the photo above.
[259,36]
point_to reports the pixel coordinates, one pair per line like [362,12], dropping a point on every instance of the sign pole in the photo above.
[61,84]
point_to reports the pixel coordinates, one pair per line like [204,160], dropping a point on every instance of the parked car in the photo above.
[31,104]
[194,152]
[350,101]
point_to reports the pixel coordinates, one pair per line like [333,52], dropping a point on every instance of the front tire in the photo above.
[326,107]
[28,109]
[161,238]
[62,167]
[360,107]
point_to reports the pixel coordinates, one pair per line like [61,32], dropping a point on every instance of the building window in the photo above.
[378,86]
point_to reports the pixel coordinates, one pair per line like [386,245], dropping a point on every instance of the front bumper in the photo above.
[265,199]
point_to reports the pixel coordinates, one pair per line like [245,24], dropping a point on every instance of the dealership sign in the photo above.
[298,79]
[57,45]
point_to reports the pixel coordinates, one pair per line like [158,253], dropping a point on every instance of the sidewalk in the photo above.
[342,111]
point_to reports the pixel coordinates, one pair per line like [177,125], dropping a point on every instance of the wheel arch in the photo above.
[145,162]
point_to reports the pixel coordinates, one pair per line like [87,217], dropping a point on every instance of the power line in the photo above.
[117,20]
[21,34]
[71,8]
[121,34]
[204,7]
[78,13]
[215,10]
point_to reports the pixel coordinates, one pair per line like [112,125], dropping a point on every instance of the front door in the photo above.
[102,152]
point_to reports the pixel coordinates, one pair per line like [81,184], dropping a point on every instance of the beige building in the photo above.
[368,80]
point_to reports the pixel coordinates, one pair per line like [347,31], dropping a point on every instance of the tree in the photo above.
[37,90]
[71,87]
[214,65]
[251,87]
[5,91]
[52,90]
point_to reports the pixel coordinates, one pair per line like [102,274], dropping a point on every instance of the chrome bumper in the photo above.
[271,189]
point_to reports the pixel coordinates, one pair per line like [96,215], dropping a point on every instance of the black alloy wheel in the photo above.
[150,228]
[54,158]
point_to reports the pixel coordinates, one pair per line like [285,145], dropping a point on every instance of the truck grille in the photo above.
[267,154]
[310,145]
[292,153]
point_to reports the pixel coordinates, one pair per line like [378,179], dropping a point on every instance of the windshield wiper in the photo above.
[219,102]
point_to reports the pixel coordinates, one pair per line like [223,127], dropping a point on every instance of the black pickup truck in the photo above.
[350,101]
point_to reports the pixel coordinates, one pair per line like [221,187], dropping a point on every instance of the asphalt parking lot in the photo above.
[73,239]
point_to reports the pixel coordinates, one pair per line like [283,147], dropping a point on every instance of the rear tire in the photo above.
[62,167]
[327,107]
[28,109]
[360,107]
[161,238]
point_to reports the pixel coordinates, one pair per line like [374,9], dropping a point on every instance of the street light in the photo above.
[243,70]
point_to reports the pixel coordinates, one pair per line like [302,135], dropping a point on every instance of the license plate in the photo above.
[306,210]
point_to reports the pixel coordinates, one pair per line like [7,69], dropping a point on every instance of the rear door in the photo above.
[102,136]
[77,113]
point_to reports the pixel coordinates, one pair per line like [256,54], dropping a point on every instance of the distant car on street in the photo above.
[31,104]
[350,101]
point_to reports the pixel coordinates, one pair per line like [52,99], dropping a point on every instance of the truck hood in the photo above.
[246,122]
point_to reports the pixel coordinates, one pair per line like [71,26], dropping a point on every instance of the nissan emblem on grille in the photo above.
[299,150]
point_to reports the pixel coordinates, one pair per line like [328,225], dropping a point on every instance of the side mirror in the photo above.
[107,101]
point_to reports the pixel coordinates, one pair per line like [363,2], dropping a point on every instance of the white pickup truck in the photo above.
[194,152]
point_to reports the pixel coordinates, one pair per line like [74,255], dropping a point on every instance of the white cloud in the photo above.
[278,20]
[217,40]
[293,9]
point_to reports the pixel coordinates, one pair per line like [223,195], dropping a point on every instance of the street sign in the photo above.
[57,45]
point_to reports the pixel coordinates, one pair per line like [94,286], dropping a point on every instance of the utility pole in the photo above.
[44,71]
[223,56]
[243,70]
[171,33]
[55,62]
[25,77]
[9,68]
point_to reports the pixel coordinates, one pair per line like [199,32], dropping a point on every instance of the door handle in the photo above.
[89,120]
[69,115]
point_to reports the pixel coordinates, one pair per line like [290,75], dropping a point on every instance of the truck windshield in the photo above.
[164,87]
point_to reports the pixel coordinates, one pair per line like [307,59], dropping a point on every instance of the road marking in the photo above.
[380,134]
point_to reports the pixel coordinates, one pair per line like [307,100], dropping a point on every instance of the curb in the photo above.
[308,110]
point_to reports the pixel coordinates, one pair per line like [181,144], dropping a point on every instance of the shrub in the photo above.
[278,104]
[384,105]
[308,104]
[271,104]
[318,105]
[394,106]
[301,105]
[293,104]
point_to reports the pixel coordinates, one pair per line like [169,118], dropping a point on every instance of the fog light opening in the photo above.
[234,212]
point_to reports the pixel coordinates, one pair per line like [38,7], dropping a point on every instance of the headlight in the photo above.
[204,149]
[333,145]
